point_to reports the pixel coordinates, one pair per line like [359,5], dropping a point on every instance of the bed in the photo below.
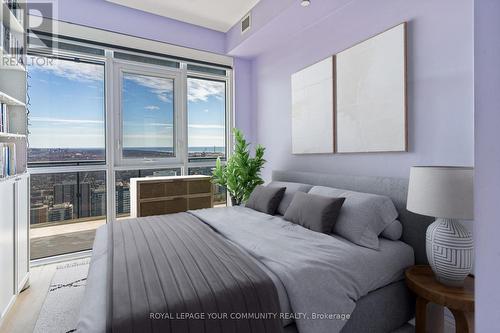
[288,269]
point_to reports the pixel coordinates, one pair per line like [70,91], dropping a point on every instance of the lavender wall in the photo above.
[263,12]
[104,15]
[440,79]
[487,159]
[243,101]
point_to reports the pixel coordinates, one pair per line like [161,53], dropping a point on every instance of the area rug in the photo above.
[60,309]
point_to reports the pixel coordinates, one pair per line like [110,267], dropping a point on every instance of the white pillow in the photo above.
[362,217]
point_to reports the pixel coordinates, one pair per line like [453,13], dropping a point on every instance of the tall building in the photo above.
[60,212]
[65,192]
[98,202]
[122,199]
[39,214]
[84,204]
[36,197]
[68,192]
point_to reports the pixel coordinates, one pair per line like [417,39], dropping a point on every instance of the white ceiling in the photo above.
[214,14]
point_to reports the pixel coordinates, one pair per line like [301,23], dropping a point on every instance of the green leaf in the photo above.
[242,173]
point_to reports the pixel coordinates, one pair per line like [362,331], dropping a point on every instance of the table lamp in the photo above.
[447,194]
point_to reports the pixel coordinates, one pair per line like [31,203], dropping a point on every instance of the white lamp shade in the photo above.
[445,192]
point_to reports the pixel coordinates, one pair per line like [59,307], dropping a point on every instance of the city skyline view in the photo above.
[67,127]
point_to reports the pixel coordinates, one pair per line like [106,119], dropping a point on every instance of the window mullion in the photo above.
[183,142]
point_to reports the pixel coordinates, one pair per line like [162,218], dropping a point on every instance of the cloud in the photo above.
[201,90]
[147,136]
[75,71]
[207,137]
[65,121]
[203,126]
[67,137]
[206,140]
[152,107]
[163,88]
[131,124]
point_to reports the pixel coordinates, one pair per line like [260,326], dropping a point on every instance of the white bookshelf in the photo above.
[14,189]
[13,88]
[11,20]
[9,100]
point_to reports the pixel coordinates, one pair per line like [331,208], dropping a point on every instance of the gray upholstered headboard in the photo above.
[414,226]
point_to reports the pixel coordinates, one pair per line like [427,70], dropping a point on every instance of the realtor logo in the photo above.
[26,25]
[41,26]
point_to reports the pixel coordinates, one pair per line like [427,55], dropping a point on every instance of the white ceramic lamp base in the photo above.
[450,251]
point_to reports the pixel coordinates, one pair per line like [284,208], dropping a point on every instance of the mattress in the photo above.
[388,262]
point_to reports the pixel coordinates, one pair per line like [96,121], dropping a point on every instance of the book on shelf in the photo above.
[12,45]
[5,37]
[4,118]
[16,9]
[7,159]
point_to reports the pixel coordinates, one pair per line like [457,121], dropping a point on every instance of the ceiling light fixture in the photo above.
[305,3]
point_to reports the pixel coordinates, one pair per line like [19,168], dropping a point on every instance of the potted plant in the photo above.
[241,174]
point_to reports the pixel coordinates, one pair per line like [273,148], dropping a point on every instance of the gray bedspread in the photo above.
[323,275]
[176,267]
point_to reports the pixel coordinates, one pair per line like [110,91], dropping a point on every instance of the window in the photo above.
[67,130]
[148,116]
[59,199]
[206,119]
[155,116]
[66,121]
[220,195]
[148,107]
[122,178]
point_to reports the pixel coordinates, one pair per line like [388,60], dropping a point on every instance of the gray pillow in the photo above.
[265,199]
[291,189]
[314,212]
[393,231]
[363,217]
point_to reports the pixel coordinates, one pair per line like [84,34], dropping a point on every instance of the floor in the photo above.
[24,314]
[61,244]
[62,239]
[65,228]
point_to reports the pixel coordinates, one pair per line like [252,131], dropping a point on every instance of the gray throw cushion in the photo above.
[265,199]
[314,212]
[393,231]
[363,217]
[291,189]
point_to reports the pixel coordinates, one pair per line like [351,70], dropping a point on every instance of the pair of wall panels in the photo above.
[354,101]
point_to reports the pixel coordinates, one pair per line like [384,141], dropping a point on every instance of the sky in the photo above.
[67,108]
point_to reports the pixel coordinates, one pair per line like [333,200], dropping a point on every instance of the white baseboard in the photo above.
[7,309]
[60,258]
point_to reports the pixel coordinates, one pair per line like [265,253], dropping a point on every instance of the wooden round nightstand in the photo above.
[460,301]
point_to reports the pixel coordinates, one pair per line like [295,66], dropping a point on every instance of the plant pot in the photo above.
[234,202]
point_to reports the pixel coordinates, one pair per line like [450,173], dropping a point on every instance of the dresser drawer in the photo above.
[200,202]
[162,189]
[200,186]
[161,207]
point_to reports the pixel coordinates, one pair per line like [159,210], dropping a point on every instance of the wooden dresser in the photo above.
[166,195]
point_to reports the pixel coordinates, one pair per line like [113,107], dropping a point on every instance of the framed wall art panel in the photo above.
[312,109]
[371,107]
